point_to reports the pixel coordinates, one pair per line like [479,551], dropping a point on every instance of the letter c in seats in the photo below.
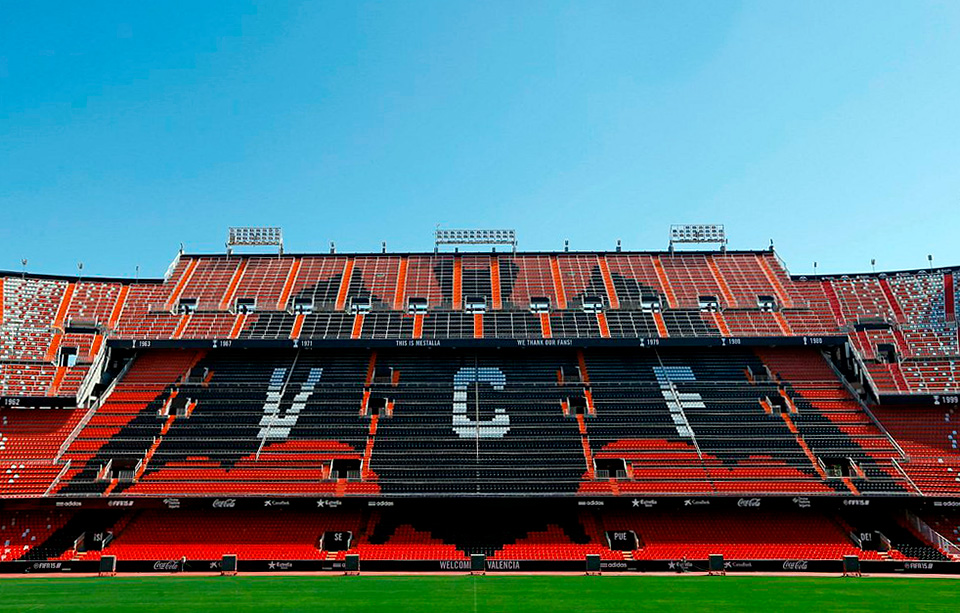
[463,425]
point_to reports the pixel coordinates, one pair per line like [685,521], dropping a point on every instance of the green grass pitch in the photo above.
[464,593]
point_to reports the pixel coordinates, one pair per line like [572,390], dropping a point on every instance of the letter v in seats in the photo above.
[272,424]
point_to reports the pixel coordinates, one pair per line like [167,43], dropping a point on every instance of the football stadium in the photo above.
[489,412]
[476,305]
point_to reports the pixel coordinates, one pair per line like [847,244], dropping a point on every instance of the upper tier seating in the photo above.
[818,317]
[916,305]
[752,323]
[744,279]
[634,278]
[209,281]
[27,313]
[318,280]
[213,285]
[31,304]
[26,378]
[264,280]
[932,376]
[925,336]
[144,316]
[581,275]
[862,297]
[690,277]
[93,303]
[917,376]
[374,277]
[920,297]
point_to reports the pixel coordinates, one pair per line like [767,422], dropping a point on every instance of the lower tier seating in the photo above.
[487,423]
[452,530]
[21,531]
[29,441]
[752,534]
[904,542]
[947,525]
[208,535]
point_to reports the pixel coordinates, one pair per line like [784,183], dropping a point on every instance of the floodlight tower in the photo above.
[698,233]
[474,237]
[254,237]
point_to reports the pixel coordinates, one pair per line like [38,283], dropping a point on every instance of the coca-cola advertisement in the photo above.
[167,566]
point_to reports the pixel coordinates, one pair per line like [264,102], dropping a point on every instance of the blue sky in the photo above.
[127,128]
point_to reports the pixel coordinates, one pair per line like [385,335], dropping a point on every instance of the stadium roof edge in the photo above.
[75,278]
[880,273]
[681,252]
[507,251]
[158,280]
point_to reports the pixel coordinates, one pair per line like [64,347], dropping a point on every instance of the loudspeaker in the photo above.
[108,566]
[478,564]
[228,564]
[593,564]
[716,564]
[851,566]
[352,566]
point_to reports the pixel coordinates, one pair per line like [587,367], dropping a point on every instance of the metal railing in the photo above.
[863,405]
[91,411]
[92,377]
[57,479]
[939,541]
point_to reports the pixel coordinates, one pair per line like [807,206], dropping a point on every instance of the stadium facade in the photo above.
[533,407]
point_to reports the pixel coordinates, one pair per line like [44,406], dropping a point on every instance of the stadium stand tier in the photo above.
[526,406]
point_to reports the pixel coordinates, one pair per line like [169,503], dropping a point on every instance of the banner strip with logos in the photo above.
[492,566]
[326,343]
[611,503]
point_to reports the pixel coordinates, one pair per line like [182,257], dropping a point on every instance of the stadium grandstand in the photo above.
[530,410]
